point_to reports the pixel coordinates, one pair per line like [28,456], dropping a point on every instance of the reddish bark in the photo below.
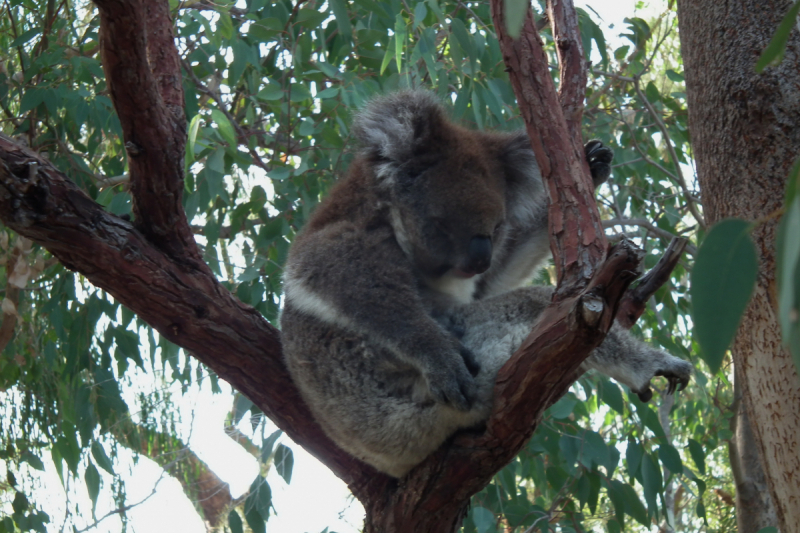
[143,72]
[577,240]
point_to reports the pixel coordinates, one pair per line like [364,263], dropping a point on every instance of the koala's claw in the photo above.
[599,158]
[675,382]
[677,379]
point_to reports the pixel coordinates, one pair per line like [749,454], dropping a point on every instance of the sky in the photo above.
[316,499]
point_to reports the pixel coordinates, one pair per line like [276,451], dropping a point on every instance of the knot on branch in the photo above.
[23,195]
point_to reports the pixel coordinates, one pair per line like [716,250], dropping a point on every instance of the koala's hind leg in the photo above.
[494,328]
[632,362]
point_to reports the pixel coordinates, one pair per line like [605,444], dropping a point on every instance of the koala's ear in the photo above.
[397,127]
[519,162]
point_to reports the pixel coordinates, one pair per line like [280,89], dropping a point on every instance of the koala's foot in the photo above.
[451,376]
[599,157]
[678,373]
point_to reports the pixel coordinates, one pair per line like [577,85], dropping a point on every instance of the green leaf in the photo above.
[270,92]
[235,522]
[515,16]
[483,519]
[100,457]
[788,276]
[92,477]
[284,461]
[722,281]
[773,53]
[194,125]
[20,503]
[25,37]
[399,40]
[633,505]
[652,481]
[670,458]
[31,100]
[612,396]
[33,460]
[675,76]
[339,9]
[225,24]
[269,442]
[387,57]
[698,455]
[563,407]
[254,519]
[225,127]
[633,456]
[420,12]
[240,407]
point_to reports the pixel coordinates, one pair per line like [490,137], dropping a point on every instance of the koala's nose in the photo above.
[479,254]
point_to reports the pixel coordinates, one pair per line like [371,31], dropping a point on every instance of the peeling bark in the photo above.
[746,136]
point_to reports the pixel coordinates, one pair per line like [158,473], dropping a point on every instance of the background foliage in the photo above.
[271,87]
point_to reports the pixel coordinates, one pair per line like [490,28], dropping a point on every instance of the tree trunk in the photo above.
[754,507]
[746,135]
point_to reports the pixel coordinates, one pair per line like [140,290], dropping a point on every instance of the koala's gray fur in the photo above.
[402,291]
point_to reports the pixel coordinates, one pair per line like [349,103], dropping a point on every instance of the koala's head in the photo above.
[450,190]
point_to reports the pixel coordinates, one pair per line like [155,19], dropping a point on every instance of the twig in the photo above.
[124,508]
[649,226]
[672,154]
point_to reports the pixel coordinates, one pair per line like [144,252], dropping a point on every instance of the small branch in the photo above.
[104,182]
[690,249]
[672,154]
[125,508]
[635,300]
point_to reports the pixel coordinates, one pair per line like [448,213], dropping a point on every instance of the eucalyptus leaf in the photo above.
[722,281]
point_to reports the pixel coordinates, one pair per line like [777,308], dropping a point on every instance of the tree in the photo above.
[745,136]
[269,87]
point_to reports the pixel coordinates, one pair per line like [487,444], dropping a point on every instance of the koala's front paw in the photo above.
[452,382]
[678,373]
[599,158]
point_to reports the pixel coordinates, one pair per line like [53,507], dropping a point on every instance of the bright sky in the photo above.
[316,499]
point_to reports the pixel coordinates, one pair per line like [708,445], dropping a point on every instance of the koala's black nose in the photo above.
[479,254]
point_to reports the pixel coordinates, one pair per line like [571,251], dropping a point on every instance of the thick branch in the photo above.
[143,73]
[186,306]
[579,243]
[571,64]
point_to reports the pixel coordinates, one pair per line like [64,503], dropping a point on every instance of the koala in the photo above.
[403,292]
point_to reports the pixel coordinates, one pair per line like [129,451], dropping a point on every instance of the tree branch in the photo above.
[187,306]
[574,220]
[635,300]
[649,226]
[143,73]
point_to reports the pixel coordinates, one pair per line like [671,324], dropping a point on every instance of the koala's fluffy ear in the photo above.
[397,127]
